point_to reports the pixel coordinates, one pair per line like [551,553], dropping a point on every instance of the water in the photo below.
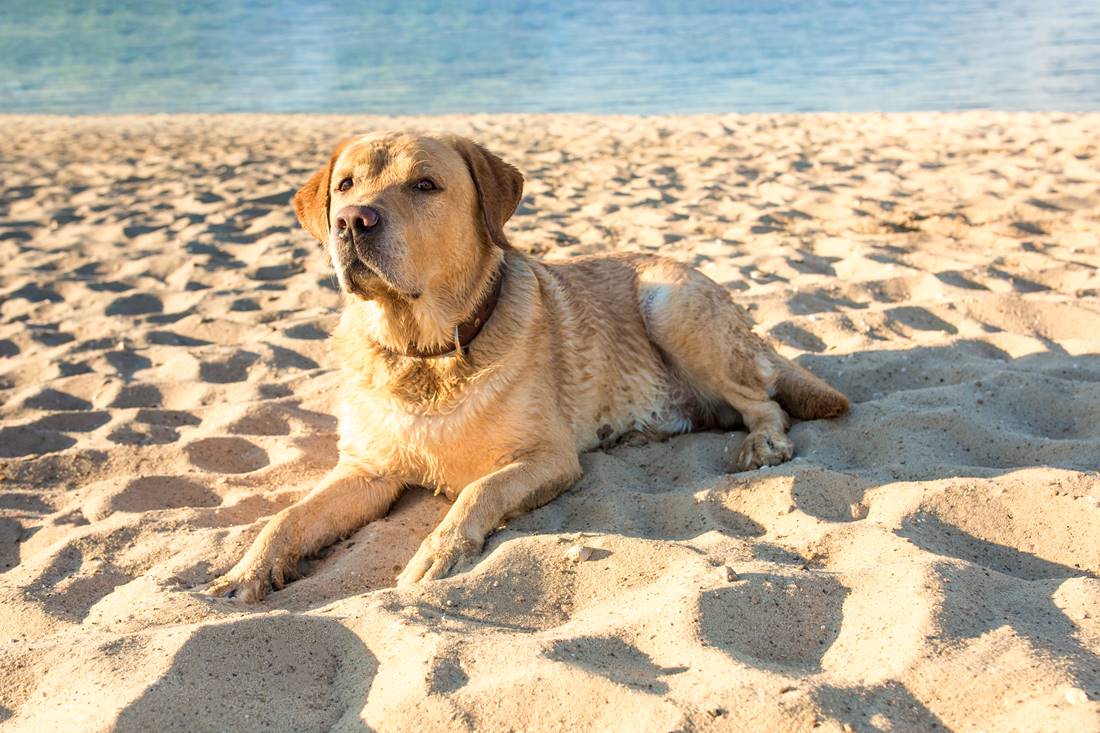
[563,56]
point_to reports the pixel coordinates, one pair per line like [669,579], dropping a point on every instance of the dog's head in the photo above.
[401,214]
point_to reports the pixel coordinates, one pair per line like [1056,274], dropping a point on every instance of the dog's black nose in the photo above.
[357,220]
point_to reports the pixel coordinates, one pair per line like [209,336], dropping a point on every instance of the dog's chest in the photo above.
[438,443]
[425,437]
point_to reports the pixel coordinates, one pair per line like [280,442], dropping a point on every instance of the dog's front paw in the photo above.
[439,554]
[271,562]
[250,580]
[250,588]
[762,449]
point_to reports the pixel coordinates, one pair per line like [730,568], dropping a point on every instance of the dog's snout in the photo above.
[356,220]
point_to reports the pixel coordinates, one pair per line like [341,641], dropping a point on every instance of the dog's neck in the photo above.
[437,323]
[466,331]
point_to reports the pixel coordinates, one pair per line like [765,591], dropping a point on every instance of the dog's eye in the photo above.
[345,184]
[425,184]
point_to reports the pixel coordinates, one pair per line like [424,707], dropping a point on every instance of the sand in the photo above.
[928,562]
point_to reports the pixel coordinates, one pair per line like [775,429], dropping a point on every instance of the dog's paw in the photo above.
[439,554]
[250,581]
[248,590]
[762,449]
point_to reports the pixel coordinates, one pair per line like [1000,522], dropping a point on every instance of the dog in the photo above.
[481,372]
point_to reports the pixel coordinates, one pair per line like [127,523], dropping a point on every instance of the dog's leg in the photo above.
[709,340]
[767,443]
[346,499]
[481,507]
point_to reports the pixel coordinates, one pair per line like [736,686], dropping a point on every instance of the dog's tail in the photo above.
[804,395]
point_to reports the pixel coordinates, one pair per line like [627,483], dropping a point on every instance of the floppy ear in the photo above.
[499,188]
[311,201]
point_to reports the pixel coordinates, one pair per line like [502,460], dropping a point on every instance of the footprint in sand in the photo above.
[170,418]
[11,534]
[308,331]
[615,659]
[284,358]
[794,335]
[830,495]
[243,305]
[127,363]
[329,663]
[261,420]
[932,534]
[36,294]
[27,440]
[151,493]
[137,395]
[137,434]
[72,422]
[774,620]
[276,272]
[49,335]
[53,399]
[231,368]
[135,305]
[152,427]
[226,455]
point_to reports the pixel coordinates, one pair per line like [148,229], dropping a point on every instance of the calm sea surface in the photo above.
[562,56]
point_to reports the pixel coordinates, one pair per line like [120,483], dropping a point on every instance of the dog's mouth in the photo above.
[368,279]
[360,279]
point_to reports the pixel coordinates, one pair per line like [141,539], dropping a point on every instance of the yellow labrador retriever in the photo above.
[481,372]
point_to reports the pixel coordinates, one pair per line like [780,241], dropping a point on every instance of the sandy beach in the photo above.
[929,562]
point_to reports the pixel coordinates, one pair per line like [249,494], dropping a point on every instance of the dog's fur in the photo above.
[577,354]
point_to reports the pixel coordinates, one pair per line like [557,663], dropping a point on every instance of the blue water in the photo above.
[564,56]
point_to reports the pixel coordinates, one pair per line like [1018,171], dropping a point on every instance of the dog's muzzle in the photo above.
[357,232]
[358,226]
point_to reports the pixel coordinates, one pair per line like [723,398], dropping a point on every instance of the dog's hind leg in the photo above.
[708,339]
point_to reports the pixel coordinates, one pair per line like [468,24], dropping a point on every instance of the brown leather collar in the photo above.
[467,331]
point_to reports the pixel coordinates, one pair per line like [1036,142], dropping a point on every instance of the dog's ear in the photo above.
[312,200]
[499,188]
